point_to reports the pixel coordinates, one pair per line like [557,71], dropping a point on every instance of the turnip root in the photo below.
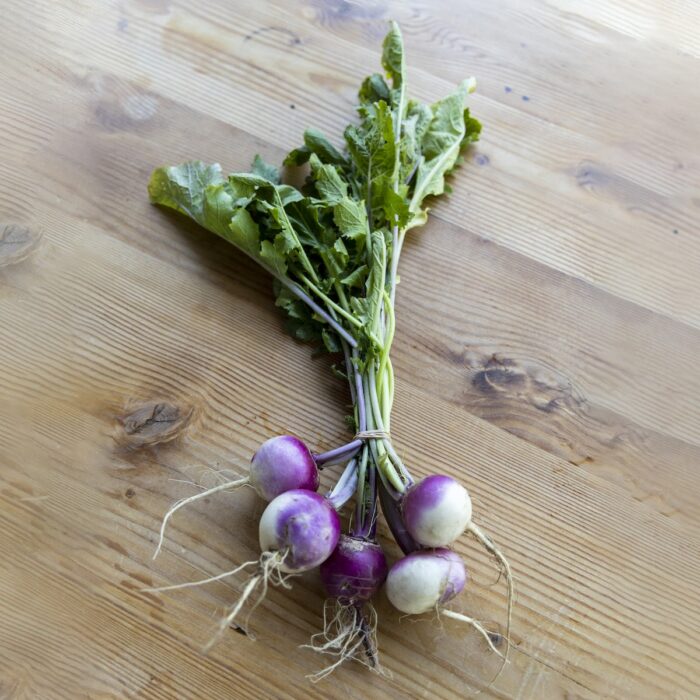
[351,577]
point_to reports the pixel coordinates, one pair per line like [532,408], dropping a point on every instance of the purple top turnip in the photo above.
[281,464]
[303,526]
[424,579]
[355,571]
[436,510]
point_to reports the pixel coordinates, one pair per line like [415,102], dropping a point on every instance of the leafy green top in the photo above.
[333,245]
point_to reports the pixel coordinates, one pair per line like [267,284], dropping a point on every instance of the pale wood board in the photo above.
[549,329]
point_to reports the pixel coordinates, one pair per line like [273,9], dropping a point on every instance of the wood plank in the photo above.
[548,361]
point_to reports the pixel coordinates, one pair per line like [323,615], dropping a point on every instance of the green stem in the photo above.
[382,379]
[342,298]
[302,253]
[369,208]
[390,382]
[378,447]
[328,301]
[386,405]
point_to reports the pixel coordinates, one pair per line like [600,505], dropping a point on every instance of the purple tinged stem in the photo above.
[339,454]
[358,521]
[301,294]
[390,508]
[349,369]
[342,492]
[369,527]
[359,390]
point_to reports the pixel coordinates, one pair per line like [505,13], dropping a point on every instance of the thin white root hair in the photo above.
[491,548]
[476,625]
[271,574]
[347,634]
[201,582]
[191,499]
[269,571]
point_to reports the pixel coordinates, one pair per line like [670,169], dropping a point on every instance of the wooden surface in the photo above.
[547,349]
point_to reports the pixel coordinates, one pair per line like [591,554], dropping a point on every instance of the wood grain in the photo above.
[549,326]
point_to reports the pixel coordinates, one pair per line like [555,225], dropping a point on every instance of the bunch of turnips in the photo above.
[332,248]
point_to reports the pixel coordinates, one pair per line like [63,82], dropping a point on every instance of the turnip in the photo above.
[351,576]
[425,581]
[298,530]
[281,464]
[436,510]
[355,570]
[302,527]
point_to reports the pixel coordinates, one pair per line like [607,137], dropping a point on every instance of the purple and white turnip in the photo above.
[302,526]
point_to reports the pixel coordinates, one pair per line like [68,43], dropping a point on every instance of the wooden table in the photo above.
[547,350]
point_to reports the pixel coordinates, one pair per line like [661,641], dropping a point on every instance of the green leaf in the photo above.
[339,372]
[418,117]
[373,151]
[303,214]
[350,216]
[287,240]
[422,116]
[329,185]
[305,331]
[181,187]
[288,302]
[289,194]
[317,144]
[393,56]
[335,265]
[236,225]
[472,128]
[297,156]
[441,145]
[374,88]
[357,277]
[446,129]
[300,323]
[249,185]
[340,250]
[360,308]
[355,139]
[217,208]
[396,208]
[330,341]
[244,232]
[265,170]
[273,257]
